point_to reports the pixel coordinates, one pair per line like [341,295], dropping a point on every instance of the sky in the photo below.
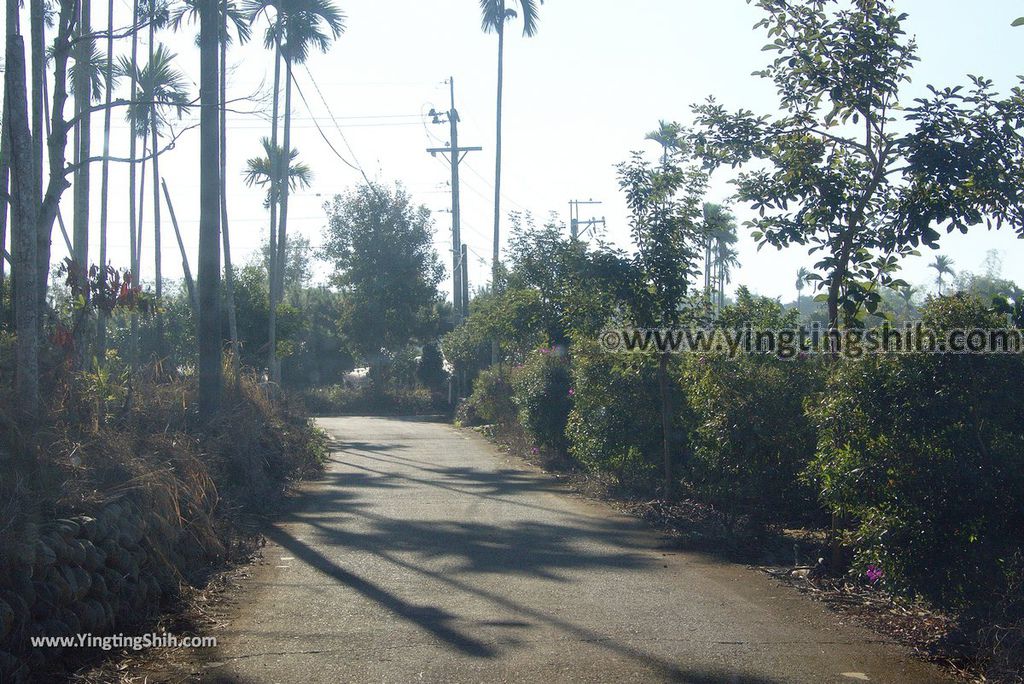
[579,98]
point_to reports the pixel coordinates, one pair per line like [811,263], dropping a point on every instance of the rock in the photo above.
[66,528]
[84,580]
[12,669]
[87,527]
[45,555]
[6,619]
[92,557]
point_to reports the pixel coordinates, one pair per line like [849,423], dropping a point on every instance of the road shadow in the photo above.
[342,516]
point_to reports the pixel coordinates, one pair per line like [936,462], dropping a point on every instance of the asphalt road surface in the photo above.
[425,554]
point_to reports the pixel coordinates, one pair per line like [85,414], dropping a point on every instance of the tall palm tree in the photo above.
[259,170]
[667,135]
[85,86]
[233,16]
[719,235]
[133,337]
[208,330]
[943,266]
[108,77]
[801,283]
[907,294]
[726,258]
[159,87]
[494,15]
[298,26]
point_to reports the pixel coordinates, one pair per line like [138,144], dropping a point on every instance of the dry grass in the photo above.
[140,463]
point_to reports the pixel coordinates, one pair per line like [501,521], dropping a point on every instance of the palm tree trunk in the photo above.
[272,265]
[101,316]
[208,329]
[277,288]
[497,152]
[155,182]
[133,264]
[83,139]
[157,271]
[190,284]
[142,209]
[23,219]
[229,271]
[5,176]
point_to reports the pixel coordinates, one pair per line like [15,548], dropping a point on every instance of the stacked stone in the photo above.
[82,575]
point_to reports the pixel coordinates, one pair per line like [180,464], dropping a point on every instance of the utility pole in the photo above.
[465,280]
[455,155]
[574,219]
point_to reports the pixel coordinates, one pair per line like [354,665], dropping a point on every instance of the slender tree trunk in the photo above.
[277,287]
[666,424]
[190,284]
[274,175]
[157,254]
[23,219]
[83,149]
[5,176]
[37,38]
[495,252]
[142,207]
[208,332]
[133,263]
[108,69]
[155,182]
[49,210]
[229,271]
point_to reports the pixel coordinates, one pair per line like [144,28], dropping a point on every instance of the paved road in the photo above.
[424,554]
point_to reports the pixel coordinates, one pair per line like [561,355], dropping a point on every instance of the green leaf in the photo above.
[1019,21]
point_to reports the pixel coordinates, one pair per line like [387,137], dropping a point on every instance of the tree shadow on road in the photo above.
[343,516]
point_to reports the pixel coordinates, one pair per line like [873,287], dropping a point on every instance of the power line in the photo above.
[359,166]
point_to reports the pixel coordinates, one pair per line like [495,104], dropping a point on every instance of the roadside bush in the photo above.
[369,401]
[490,402]
[925,454]
[614,425]
[543,394]
[751,438]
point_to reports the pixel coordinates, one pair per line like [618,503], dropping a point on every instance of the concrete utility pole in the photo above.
[455,155]
[574,219]
[465,280]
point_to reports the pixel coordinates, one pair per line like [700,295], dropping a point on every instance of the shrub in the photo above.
[542,393]
[491,400]
[925,453]
[751,438]
[614,425]
[369,401]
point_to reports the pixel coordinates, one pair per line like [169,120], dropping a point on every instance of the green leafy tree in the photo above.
[381,246]
[665,206]
[849,170]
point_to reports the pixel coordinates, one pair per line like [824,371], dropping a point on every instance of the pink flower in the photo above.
[874,573]
[534,451]
[572,392]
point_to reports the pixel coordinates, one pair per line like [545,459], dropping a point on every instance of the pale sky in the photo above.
[578,98]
